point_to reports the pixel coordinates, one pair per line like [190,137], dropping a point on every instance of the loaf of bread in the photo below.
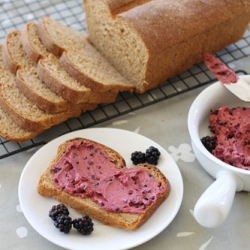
[80,59]
[149,41]
[87,157]
[54,76]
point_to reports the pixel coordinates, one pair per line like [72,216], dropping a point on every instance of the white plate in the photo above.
[36,207]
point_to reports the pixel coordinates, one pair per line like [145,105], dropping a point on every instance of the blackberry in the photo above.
[57,210]
[63,223]
[138,157]
[209,142]
[83,225]
[152,155]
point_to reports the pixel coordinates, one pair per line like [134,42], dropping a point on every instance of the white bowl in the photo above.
[214,205]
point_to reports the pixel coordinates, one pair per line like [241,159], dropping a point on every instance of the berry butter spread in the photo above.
[219,69]
[231,128]
[85,170]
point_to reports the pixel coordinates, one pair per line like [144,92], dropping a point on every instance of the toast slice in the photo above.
[102,209]
[79,58]
[54,76]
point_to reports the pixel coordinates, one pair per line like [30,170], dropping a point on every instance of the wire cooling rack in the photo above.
[14,15]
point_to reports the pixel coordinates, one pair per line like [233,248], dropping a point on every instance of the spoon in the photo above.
[228,77]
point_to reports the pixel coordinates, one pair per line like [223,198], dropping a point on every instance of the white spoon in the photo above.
[228,77]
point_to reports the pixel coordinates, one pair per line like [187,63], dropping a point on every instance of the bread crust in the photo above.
[127,221]
[168,20]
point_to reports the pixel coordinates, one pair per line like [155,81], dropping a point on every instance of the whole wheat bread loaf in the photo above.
[126,220]
[23,112]
[149,41]
[53,75]
[27,78]
[79,58]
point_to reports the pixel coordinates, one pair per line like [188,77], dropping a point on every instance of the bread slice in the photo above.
[126,220]
[23,112]
[151,41]
[13,55]
[51,72]
[31,42]
[11,131]
[53,75]
[27,78]
[79,58]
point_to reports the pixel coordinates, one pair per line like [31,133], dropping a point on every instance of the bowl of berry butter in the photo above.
[219,128]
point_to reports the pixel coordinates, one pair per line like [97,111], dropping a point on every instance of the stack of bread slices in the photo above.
[48,74]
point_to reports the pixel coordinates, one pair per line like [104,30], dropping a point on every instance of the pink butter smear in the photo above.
[232,130]
[85,171]
[219,69]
